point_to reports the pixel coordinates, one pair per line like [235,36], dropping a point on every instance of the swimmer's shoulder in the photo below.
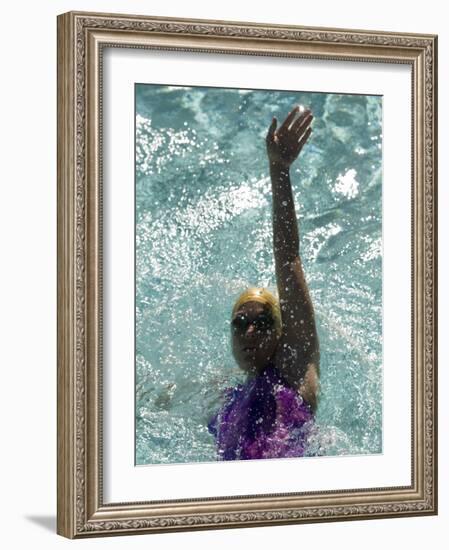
[310,388]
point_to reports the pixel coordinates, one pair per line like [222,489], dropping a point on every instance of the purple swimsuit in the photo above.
[262,418]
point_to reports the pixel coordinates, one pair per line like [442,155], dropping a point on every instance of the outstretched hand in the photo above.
[285,143]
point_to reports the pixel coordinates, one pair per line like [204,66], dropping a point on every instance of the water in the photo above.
[204,234]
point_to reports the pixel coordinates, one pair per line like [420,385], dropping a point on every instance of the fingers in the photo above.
[292,134]
[301,124]
[291,115]
[272,129]
[304,138]
[296,127]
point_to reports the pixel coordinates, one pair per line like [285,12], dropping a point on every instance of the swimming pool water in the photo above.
[204,234]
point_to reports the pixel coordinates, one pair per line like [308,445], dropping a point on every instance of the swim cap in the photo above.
[263,296]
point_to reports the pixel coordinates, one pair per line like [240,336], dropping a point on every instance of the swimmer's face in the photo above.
[254,338]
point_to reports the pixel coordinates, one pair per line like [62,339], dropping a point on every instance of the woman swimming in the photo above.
[274,342]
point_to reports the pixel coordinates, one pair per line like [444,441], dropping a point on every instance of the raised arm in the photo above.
[298,355]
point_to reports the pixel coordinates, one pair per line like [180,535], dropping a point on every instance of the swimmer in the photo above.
[274,340]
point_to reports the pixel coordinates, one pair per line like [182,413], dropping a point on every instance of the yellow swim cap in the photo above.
[263,296]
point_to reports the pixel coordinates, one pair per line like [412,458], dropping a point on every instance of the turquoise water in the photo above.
[204,234]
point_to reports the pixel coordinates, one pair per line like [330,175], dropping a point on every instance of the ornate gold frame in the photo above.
[81,37]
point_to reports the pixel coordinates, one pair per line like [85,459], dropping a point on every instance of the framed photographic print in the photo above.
[246,274]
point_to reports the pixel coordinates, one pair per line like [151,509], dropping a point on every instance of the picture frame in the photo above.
[83,39]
